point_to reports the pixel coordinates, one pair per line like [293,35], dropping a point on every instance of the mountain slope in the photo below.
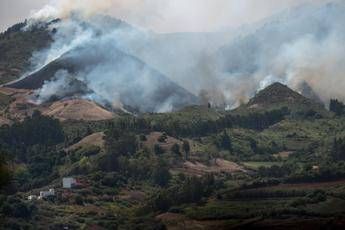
[16,48]
[96,65]
[278,96]
[132,82]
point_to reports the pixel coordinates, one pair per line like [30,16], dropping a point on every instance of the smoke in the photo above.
[64,8]
[60,86]
[93,53]
[303,45]
[121,65]
[320,63]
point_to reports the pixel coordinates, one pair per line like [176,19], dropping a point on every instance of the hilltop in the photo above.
[277,96]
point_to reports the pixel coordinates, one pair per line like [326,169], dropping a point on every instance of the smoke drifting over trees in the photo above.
[297,46]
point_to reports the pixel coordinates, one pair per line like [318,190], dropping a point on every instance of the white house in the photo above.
[45,194]
[32,197]
[68,182]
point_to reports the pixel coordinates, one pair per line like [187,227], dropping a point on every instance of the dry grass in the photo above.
[216,166]
[95,139]
[77,109]
[284,154]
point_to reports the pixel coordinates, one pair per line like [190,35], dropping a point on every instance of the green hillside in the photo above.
[197,167]
[16,48]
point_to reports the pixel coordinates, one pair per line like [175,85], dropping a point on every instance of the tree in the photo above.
[79,200]
[254,146]
[186,148]
[338,149]
[161,175]
[161,201]
[4,172]
[34,130]
[176,149]
[121,142]
[337,107]
[158,149]
[224,141]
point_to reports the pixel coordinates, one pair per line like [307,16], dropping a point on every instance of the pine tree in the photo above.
[186,149]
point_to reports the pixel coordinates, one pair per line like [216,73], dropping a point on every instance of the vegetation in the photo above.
[16,48]
[337,107]
[228,168]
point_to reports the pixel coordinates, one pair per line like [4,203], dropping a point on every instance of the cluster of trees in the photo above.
[183,190]
[312,197]
[119,144]
[327,171]
[14,207]
[223,141]
[274,171]
[34,130]
[338,149]
[33,142]
[182,126]
[126,158]
[4,172]
[337,107]
[257,121]
[15,28]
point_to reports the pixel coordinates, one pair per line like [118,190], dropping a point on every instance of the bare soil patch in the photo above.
[216,166]
[77,109]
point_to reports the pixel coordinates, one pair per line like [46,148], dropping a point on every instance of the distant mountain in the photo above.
[277,96]
[100,69]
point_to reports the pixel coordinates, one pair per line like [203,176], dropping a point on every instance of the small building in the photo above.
[32,197]
[69,182]
[316,167]
[45,194]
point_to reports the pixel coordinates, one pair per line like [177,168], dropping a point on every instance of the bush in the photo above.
[16,208]
[163,138]
[176,149]
[158,149]
[142,137]
[79,200]
[161,175]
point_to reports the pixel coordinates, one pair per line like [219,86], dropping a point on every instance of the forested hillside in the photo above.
[198,166]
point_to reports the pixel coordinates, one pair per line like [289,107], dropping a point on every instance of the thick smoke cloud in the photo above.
[171,16]
[303,44]
[95,61]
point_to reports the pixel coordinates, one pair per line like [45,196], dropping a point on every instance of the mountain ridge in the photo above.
[278,95]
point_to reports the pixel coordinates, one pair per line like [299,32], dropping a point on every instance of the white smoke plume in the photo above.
[303,44]
[298,46]
[64,8]
[95,51]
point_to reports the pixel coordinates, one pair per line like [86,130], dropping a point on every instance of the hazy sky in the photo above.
[165,15]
